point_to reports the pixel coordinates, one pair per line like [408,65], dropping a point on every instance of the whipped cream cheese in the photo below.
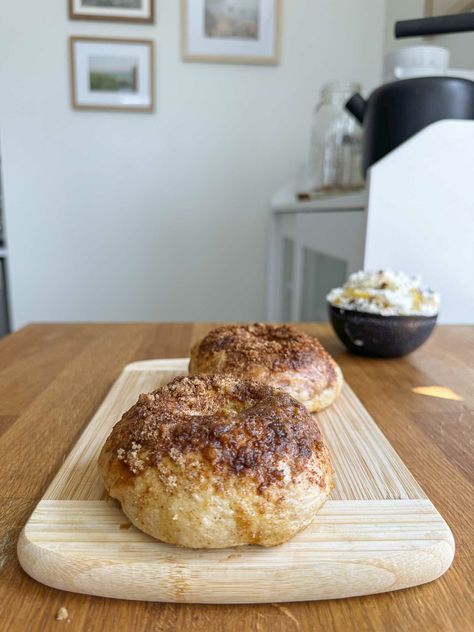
[387,293]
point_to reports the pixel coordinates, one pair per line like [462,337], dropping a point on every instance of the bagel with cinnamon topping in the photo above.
[215,461]
[278,355]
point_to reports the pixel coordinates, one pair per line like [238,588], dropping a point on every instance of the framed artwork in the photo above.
[141,11]
[447,7]
[112,74]
[230,31]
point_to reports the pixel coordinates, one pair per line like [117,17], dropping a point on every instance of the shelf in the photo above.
[285,201]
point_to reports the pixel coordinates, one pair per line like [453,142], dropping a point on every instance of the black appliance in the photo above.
[397,110]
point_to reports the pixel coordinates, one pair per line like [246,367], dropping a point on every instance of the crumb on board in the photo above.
[125,525]
[62,614]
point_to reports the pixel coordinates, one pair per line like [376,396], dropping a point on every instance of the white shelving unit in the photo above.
[314,245]
[418,217]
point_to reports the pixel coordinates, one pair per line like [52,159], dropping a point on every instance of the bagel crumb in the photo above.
[62,614]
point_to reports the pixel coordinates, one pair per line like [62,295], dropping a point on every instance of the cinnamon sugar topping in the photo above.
[239,427]
[276,347]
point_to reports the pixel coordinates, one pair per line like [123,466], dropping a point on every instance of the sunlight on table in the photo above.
[443,392]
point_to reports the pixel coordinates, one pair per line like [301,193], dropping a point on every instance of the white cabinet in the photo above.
[314,245]
[421,214]
[419,219]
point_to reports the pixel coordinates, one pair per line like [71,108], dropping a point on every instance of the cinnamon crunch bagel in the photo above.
[278,355]
[215,461]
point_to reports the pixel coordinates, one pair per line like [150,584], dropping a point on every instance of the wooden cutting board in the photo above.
[378,532]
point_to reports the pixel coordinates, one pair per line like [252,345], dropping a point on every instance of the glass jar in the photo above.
[336,142]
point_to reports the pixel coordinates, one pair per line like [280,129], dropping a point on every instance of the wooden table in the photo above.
[52,379]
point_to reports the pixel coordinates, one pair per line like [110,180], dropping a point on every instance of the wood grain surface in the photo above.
[53,378]
[378,532]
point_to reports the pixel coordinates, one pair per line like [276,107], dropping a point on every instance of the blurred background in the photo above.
[181,213]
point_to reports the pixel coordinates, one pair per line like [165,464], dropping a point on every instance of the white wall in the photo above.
[115,216]
[401,10]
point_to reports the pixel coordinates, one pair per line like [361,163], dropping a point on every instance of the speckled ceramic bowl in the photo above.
[380,336]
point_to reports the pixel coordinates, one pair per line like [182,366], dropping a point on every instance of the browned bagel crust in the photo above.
[239,427]
[214,461]
[279,355]
[277,347]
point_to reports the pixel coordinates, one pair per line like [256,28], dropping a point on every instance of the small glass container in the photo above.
[336,143]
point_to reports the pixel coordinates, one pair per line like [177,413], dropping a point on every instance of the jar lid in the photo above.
[340,87]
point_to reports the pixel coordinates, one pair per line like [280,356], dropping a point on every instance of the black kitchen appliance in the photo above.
[397,110]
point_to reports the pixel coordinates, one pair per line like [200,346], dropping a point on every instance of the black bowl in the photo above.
[380,336]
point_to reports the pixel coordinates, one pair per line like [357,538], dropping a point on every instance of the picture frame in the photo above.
[231,31]
[114,74]
[447,7]
[132,11]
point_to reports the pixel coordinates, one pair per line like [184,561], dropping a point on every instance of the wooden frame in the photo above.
[455,6]
[73,15]
[228,59]
[119,108]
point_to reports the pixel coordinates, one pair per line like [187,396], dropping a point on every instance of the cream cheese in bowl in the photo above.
[383,314]
[386,293]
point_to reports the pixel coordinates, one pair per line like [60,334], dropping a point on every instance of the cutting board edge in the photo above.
[42,561]
[166,581]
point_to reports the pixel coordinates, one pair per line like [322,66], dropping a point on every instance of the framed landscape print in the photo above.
[112,74]
[141,11]
[230,31]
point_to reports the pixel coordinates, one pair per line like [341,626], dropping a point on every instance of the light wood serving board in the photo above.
[378,532]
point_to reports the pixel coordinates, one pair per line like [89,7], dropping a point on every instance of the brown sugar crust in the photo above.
[277,347]
[214,461]
[278,355]
[239,427]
